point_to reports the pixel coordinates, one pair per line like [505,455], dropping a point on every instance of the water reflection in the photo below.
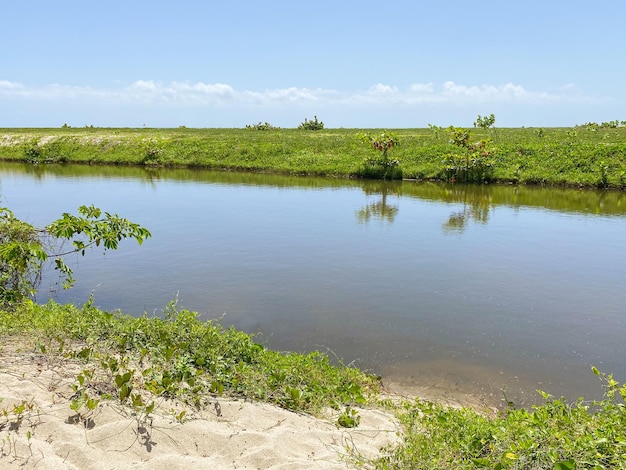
[381,210]
[476,205]
[598,202]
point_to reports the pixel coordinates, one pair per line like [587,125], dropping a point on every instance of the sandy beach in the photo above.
[229,434]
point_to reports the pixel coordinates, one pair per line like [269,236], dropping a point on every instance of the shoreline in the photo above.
[515,155]
[228,433]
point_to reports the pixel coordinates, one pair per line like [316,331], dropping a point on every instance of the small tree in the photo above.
[24,248]
[474,164]
[313,125]
[485,122]
[381,166]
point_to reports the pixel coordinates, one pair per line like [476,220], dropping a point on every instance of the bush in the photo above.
[313,125]
[261,126]
[382,166]
[474,164]
[21,256]
[24,248]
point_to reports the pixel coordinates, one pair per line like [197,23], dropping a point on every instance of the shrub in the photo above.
[554,435]
[261,126]
[24,248]
[485,122]
[474,164]
[381,166]
[313,125]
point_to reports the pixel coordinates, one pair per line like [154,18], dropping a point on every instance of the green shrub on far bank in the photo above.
[262,126]
[474,163]
[382,166]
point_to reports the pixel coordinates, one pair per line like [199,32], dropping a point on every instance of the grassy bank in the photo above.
[137,361]
[592,156]
[176,355]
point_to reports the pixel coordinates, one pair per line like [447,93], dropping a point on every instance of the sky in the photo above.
[353,64]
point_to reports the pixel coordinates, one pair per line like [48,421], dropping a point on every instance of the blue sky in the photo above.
[354,64]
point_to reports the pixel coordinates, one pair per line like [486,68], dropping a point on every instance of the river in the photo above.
[457,289]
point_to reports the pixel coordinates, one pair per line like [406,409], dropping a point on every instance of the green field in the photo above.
[589,155]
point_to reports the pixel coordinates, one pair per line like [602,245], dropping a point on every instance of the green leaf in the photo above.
[124,391]
[564,465]
[482,462]
[92,403]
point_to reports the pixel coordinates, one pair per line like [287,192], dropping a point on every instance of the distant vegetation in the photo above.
[587,155]
[262,126]
[312,125]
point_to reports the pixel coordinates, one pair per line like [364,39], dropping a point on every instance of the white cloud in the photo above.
[7,85]
[198,94]
[382,90]
[197,104]
[419,88]
[495,93]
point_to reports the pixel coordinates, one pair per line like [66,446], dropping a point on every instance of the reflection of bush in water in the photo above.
[587,201]
[379,210]
[457,222]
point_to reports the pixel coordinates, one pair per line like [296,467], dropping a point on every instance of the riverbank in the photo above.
[83,388]
[226,433]
[584,156]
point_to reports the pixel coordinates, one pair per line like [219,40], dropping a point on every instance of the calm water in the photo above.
[467,289]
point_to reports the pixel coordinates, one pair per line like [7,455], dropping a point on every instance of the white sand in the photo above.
[242,435]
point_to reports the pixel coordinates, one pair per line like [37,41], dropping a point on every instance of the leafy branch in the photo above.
[25,248]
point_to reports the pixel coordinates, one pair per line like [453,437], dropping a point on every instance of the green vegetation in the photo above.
[589,155]
[381,166]
[312,125]
[142,362]
[555,436]
[175,355]
[474,164]
[262,126]
[24,248]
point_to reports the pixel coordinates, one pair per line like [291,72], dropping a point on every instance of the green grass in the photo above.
[556,436]
[176,355]
[581,156]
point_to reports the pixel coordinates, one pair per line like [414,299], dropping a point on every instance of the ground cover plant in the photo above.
[555,435]
[589,155]
[174,357]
